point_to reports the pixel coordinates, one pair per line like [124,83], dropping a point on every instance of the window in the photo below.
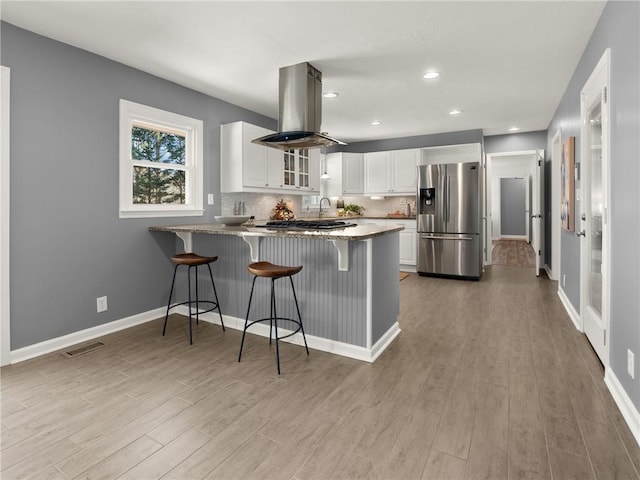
[161,171]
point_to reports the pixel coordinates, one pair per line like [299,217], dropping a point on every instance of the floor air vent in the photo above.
[90,347]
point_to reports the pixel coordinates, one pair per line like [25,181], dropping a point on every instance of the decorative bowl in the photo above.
[232,220]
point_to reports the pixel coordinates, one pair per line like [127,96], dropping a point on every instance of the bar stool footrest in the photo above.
[269,319]
[193,302]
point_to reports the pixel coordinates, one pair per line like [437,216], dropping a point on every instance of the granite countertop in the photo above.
[358,232]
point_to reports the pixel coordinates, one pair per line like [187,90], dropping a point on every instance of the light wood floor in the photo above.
[514,253]
[488,380]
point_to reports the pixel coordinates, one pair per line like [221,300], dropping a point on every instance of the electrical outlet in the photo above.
[631,365]
[101,303]
[564,279]
[210,199]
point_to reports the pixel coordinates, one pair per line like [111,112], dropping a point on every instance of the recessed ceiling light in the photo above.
[431,75]
[376,122]
[330,94]
[514,129]
[455,111]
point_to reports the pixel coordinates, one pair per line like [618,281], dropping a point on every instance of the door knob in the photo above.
[583,217]
[581,234]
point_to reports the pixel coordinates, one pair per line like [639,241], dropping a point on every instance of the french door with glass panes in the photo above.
[594,221]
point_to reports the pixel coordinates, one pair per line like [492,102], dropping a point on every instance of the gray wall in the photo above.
[618,29]
[516,142]
[419,141]
[68,245]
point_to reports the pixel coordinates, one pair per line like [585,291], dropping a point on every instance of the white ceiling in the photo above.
[503,63]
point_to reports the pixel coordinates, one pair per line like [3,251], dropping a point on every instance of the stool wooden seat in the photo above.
[193,260]
[272,271]
[269,270]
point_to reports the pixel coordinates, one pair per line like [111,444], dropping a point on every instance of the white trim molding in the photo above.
[571,311]
[318,343]
[626,406]
[5,213]
[138,115]
[81,336]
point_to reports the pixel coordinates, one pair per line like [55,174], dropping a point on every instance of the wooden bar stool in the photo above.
[193,260]
[269,270]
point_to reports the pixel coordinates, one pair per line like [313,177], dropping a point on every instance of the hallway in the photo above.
[487,379]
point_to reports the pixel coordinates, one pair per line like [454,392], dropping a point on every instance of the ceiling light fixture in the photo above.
[325,175]
[455,111]
[376,123]
[514,129]
[330,94]
[431,75]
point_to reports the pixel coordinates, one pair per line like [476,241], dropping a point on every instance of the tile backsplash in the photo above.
[261,205]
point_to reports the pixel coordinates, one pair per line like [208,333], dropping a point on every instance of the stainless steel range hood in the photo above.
[300,111]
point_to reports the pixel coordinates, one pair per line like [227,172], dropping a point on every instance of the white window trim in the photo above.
[134,113]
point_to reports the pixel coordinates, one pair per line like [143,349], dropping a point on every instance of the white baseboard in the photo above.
[48,346]
[317,343]
[550,274]
[626,406]
[573,314]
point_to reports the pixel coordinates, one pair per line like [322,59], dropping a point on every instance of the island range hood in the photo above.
[300,110]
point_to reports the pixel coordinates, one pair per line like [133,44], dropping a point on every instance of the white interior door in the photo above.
[536,208]
[594,231]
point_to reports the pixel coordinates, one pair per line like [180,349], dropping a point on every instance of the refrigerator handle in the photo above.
[443,237]
[448,217]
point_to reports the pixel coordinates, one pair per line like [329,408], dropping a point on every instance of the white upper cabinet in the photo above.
[301,170]
[376,172]
[405,170]
[352,173]
[391,173]
[248,167]
[346,172]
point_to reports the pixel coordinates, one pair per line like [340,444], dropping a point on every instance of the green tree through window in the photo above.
[161,184]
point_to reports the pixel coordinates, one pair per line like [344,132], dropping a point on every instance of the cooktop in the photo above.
[307,224]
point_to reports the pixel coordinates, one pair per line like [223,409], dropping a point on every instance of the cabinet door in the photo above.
[405,170]
[376,172]
[352,173]
[408,246]
[333,166]
[314,171]
[274,168]
[254,157]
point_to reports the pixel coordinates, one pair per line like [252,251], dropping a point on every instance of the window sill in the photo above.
[160,213]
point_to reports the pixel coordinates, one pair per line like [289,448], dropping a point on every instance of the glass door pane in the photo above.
[595,206]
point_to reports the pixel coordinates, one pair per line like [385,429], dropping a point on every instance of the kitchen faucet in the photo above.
[320,210]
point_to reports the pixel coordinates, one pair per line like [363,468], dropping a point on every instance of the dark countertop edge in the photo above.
[360,232]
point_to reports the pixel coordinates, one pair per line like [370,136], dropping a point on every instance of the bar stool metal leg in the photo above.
[189,287]
[274,319]
[295,299]
[246,321]
[215,294]
[166,317]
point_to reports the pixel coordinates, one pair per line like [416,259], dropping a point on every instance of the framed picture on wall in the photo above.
[567,185]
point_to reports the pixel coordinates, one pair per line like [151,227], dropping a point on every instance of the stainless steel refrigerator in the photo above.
[449,224]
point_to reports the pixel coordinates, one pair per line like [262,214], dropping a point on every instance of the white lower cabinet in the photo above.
[408,239]
[408,242]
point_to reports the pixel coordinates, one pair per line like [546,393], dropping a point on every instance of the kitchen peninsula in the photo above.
[348,288]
